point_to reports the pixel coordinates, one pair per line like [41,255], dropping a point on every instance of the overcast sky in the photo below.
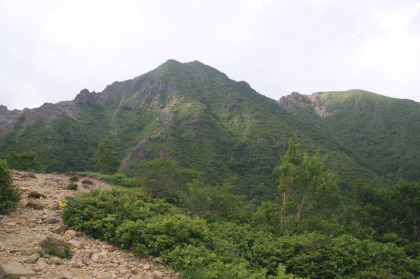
[50,50]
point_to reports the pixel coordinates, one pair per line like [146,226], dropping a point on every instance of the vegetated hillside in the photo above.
[185,111]
[380,133]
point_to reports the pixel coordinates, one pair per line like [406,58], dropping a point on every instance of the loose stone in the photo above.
[157,274]
[33,258]
[35,205]
[69,234]
[15,270]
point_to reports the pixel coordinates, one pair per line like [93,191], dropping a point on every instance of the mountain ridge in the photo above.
[366,122]
[190,112]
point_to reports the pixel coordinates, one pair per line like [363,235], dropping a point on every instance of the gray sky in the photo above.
[50,50]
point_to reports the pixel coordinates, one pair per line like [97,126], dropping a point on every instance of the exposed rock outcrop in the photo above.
[290,101]
[293,100]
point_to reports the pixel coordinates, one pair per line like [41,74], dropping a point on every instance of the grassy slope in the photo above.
[382,133]
[225,128]
[190,112]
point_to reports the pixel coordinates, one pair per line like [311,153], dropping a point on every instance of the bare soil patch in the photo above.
[37,216]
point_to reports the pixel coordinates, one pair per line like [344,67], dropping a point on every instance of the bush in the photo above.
[23,161]
[87,182]
[63,253]
[147,226]
[74,178]
[318,255]
[165,178]
[99,213]
[72,186]
[9,195]
[213,203]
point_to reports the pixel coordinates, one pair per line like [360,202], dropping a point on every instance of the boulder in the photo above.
[15,270]
[35,205]
[110,248]
[157,274]
[29,251]
[158,261]
[33,258]
[55,260]
[76,244]
[69,234]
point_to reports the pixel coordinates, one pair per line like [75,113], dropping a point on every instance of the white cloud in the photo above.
[57,48]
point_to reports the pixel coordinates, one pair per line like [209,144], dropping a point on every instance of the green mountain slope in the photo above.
[186,111]
[380,133]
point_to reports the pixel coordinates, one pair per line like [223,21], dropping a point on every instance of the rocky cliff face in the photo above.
[318,102]
[7,119]
[47,113]
[292,101]
[85,98]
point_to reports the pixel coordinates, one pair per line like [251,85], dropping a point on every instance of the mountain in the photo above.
[195,114]
[380,133]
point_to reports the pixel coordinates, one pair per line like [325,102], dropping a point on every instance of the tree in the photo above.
[106,158]
[23,161]
[214,203]
[9,195]
[165,179]
[306,187]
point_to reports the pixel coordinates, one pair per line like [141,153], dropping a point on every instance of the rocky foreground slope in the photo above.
[37,221]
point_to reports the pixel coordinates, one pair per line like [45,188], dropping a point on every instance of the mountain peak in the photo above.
[170,62]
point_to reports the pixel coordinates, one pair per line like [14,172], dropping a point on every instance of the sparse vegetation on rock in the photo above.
[87,182]
[56,247]
[72,186]
[74,178]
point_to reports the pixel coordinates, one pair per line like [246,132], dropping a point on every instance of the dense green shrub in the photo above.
[267,217]
[385,211]
[72,186]
[87,182]
[221,270]
[99,213]
[165,178]
[318,255]
[9,195]
[23,161]
[213,202]
[146,226]
[160,234]
[74,178]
